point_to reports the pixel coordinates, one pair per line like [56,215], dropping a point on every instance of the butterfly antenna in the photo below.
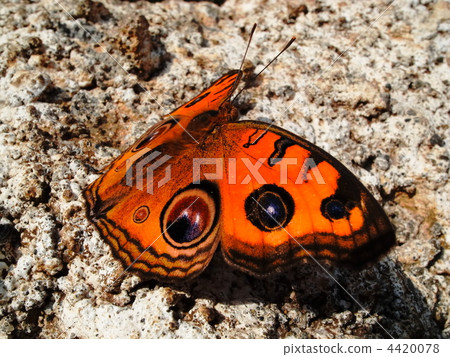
[248,45]
[245,55]
[247,84]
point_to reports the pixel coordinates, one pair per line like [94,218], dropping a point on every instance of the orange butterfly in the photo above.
[200,177]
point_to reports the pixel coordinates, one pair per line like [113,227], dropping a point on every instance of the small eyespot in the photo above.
[141,214]
[269,208]
[334,209]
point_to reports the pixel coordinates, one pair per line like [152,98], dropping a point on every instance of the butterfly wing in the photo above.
[285,200]
[144,204]
[212,98]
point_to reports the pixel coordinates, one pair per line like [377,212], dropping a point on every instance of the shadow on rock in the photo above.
[381,291]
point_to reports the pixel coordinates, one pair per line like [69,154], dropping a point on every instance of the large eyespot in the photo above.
[188,219]
[155,131]
[190,215]
[269,208]
[334,208]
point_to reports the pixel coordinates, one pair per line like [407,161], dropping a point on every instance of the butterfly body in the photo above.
[200,177]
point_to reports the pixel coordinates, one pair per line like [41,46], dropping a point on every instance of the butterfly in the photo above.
[201,177]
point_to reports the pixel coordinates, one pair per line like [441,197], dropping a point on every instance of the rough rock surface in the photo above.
[81,80]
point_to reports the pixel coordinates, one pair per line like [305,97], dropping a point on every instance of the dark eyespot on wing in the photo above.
[188,219]
[269,208]
[334,208]
[192,214]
